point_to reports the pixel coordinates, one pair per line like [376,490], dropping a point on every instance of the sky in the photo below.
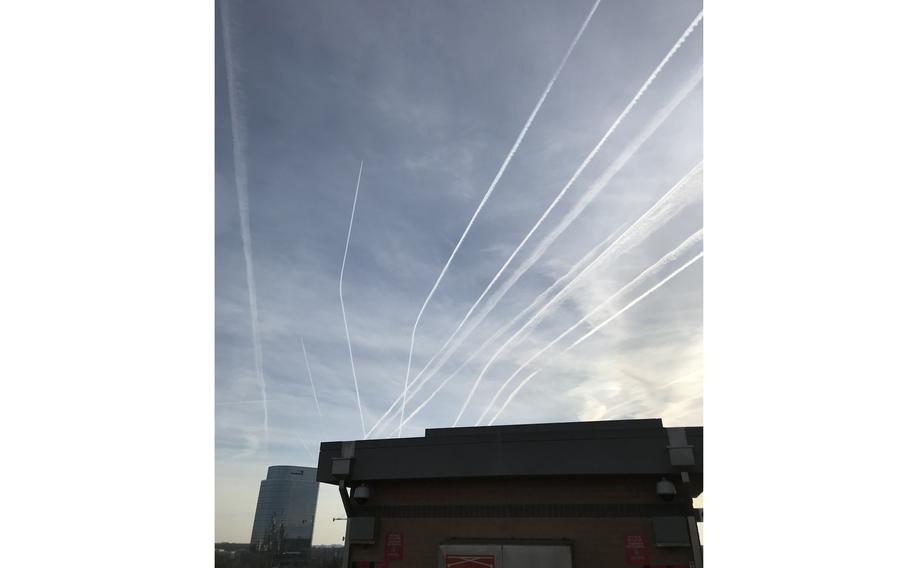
[431,96]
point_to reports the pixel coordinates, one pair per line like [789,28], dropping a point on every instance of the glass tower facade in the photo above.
[286,509]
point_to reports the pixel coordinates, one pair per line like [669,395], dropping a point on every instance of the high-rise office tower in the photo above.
[286,509]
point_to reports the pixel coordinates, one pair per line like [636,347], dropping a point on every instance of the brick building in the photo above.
[569,495]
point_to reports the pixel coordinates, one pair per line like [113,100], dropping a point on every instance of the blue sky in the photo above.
[431,96]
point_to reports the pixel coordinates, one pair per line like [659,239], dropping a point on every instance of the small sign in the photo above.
[637,550]
[394,546]
[472,561]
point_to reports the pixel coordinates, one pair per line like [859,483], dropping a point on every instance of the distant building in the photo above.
[285,511]
[570,495]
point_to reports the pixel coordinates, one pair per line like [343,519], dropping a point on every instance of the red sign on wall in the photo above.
[472,561]
[636,550]
[394,546]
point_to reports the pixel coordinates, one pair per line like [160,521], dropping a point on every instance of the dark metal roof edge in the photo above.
[507,437]
[548,427]
[517,438]
[697,473]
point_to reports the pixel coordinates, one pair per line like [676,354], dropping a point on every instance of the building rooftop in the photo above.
[612,447]
[290,472]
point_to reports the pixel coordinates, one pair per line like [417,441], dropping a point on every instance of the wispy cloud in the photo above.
[599,327]
[668,205]
[671,256]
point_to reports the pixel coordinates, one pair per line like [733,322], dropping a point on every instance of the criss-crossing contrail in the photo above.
[600,326]
[595,189]
[490,340]
[671,256]
[666,207]
[309,373]
[448,349]
[584,261]
[483,201]
[602,181]
[597,252]
[238,139]
[344,316]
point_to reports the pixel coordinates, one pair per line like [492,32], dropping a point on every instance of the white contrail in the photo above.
[661,387]
[238,137]
[512,394]
[486,196]
[537,301]
[666,207]
[566,221]
[306,360]
[599,327]
[671,256]
[344,316]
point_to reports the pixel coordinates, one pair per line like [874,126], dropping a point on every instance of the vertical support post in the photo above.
[346,555]
[347,453]
[696,544]
[346,501]
[690,518]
